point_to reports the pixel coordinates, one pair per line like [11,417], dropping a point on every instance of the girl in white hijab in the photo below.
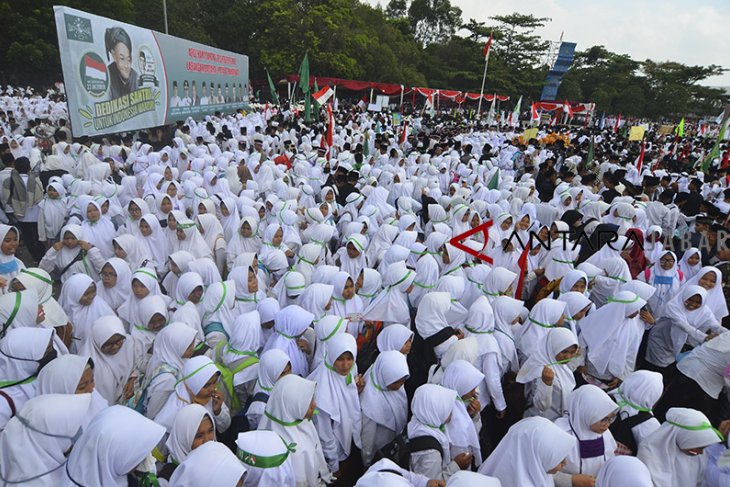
[289,326]
[577,306]
[267,457]
[190,240]
[508,313]
[685,321]
[144,284]
[674,453]
[72,255]
[249,290]
[432,325]
[337,396]
[178,262]
[289,413]
[666,279]
[346,303]
[466,423]
[194,426]
[317,299]
[432,407]
[623,470]
[289,288]
[114,446]
[155,240]
[307,260]
[548,378]
[612,349]
[615,274]
[72,374]
[23,352]
[198,385]
[35,442]
[98,228]
[545,315]
[133,250]
[636,397]
[115,284]
[691,262]
[112,351]
[213,234]
[351,256]
[368,284]
[84,307]
[710,278]
[590,413]
[173,344]
[53,212]
[391,304]
[498,283]
[238,358]
[383,401]
[218,311]
[273,365]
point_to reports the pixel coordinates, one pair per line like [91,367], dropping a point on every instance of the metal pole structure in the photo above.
[402,89]
[371,96]
[481,92]
[164,8]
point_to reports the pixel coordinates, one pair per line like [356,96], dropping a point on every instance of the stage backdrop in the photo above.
[120,77]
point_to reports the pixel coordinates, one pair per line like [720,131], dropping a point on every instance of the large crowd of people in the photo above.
[252,300]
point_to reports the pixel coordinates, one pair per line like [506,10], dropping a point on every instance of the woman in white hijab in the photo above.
[548,378]
[172,345]
[238,359]
[155,240]
[351,256]
[545,315]
[337,396]
[665,278]
[674,453]
[267,457]
[346,303]
[194,426]
[289,413]
[577,306]
[35,442]
[23,352]
[213,234]
[621,471]
[498,283]
[690,263]
[118,443]
[590,413]
[432,325]
[391,304]
[307,260]
[636,396]
[198,385]
[466,423]
[432,407]
[384,403]
[710,278]
[615,274]
[112,351]
[190,240]
[289,326]
[219,303]
[72,255]
[84,307]
[72,374]
[144,284]
[115,284]
[98,228]
[134,251]
[611,336]
[273,365]
[686,321]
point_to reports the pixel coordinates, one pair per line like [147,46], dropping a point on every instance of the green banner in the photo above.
[120,77]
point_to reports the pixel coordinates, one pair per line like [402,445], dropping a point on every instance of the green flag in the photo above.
[715,152]
[494,182]
[304,86]
[272,89]
[679,130]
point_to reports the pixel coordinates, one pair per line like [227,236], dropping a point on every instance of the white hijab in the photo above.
[463,377]
[35,441]
[115,442]
[380,404]
[530,449]
[120,292]
[432,405]
[267,458]
[542,318]
[715,296]
[184,429]
[284,415]
[82,316]
[624,470]
[391,304]
[290,323]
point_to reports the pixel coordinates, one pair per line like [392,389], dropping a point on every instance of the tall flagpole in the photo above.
[484,77]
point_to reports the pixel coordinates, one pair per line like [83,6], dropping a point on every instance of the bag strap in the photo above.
[444,334]
[11,403]
[78,257]
[423,443]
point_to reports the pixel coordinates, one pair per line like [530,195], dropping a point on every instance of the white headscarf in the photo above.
[541,319]
[267,458]
[432,405]
[210,464]
[115,442]
[82,316]
[385,407]
[640,391]
[391,305]
[34,443]
[715,297]
[688,270]
[431,319]
[285,411]
[624,470]
[661,452]
[394,337]
[184,429]
[613,348]
[463,377]
[117,295]
[290,323]
[530,449]
[337,395]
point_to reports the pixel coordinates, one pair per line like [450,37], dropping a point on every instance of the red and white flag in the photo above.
[488,45]
[323,95]
[404,133]
[534,116]
[618,121]
[94,69]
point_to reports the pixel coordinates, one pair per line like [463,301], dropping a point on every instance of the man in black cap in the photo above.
[691,206]
[650,184]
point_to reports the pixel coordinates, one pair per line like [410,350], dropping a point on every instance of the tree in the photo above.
[433,21]
[518,46]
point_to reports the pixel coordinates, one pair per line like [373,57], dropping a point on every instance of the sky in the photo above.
[693,32]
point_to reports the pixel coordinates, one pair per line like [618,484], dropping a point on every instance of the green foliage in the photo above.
[409,42]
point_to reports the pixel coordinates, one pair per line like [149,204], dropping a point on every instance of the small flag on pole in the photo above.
[487,46]
[640,159]
[323,95]
[680,128]
[618,121]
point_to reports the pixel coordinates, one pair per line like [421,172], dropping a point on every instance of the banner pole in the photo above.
[481,92]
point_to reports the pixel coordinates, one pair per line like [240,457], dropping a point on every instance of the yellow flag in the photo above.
[637,132]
